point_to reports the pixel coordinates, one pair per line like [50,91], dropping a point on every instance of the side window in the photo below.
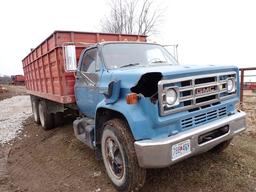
[89,61]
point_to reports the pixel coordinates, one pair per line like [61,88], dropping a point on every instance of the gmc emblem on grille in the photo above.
[204,90]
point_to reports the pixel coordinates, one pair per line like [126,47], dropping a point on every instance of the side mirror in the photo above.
[70,63]
[113,92]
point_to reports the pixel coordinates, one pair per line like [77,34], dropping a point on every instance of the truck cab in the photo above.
[141,109]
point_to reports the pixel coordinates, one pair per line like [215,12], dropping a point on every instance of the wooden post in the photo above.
[242,86]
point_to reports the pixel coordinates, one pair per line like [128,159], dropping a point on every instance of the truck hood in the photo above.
[130,76]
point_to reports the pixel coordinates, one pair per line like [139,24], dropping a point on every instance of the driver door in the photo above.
[86,87]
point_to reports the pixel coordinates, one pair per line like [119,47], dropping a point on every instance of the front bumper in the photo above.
[157,153]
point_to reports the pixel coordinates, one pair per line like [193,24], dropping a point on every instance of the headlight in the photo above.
[171,96]
[231,85]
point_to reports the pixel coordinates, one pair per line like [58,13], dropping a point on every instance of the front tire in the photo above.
[119,156]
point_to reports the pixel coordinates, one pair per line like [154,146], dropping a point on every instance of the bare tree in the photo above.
[132,17]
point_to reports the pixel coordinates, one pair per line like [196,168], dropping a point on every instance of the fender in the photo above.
[137,119]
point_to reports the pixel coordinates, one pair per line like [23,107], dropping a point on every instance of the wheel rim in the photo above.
[41,115]
[34,111]
[114,158]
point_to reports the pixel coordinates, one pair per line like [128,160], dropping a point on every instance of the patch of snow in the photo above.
[13,112]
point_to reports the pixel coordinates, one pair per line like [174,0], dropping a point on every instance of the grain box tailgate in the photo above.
[44,66]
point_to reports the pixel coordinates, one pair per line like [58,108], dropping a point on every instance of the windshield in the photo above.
[120,55]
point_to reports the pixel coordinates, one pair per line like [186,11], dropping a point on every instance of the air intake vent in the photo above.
[203,118]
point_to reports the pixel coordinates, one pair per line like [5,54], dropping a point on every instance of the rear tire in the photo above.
[58,119]
[35,103]
[119,156]
[46,119]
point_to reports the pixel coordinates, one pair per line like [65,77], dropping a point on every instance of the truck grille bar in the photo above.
[202,118]
[196,91]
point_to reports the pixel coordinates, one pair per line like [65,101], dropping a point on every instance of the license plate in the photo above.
[181,149]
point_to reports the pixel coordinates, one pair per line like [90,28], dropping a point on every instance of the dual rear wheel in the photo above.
[42,116]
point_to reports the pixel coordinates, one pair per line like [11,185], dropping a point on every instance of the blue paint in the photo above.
[113,95]
[143,117]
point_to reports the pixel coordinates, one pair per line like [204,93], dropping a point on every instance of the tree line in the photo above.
[5,79]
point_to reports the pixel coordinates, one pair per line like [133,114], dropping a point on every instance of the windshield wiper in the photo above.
[129,65]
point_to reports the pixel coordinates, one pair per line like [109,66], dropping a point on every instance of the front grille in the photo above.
[195,91]
[203,118]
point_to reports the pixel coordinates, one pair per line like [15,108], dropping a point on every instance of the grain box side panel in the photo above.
[108,37]
[85,37]
[51,42]
[44,48]
[62,37]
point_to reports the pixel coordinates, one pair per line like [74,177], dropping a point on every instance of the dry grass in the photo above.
[249,106]
[7,91]
[3,89]
[251,122]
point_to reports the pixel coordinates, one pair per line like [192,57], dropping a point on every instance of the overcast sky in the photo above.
[219,32]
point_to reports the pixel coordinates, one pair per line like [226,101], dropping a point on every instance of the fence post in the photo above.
[242,86]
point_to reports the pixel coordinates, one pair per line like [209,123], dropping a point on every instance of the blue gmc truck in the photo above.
[140,109]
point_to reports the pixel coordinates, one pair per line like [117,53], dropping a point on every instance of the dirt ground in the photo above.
[11,91]
[54,160]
